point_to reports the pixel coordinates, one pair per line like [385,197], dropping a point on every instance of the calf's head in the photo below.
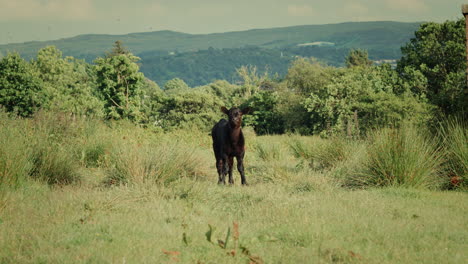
[235,115]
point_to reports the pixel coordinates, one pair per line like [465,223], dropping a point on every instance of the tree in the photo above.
[151,103]
[438,52]
[175,85]
[357,57]
[250,79]
[20,86]
[68,86]
[118,49]
[308,75]
[120,85]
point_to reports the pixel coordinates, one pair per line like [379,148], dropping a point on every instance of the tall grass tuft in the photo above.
[330,153]
[269,152]
[400,157]
[300,149]
[454,133]
[53,138]
[54,164]
[143,163]
[15,164]
[321,154]
[94,144]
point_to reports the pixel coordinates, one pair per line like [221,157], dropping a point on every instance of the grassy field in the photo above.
[121,194]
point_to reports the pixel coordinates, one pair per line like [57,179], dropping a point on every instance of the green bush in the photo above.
[403,157]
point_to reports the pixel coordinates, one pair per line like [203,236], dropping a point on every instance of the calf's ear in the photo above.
[246,110]
[224,110]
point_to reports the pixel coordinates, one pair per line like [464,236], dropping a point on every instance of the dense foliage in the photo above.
[438,52]
[313,98]
[20,86]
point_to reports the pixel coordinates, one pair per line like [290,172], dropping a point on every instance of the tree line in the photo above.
[313,98]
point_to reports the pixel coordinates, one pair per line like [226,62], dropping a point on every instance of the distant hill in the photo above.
[165,48]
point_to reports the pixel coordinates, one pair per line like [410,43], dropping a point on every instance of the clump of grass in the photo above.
[455,141]
[300,149]
[142,163]
[53,137]
[54,164]
[93,154]
[269,152]
[400,157]
[356,153]
[93,147]
[320,153]
[14,153]
[56,126]
[330,152]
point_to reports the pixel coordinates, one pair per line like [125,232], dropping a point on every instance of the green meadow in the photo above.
[85,191]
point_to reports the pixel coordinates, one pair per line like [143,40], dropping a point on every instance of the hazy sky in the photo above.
[26,20]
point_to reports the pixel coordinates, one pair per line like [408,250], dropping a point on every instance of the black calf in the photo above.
[228,142]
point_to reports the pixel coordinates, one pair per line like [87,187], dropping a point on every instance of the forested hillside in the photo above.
[205,66]
[167,54]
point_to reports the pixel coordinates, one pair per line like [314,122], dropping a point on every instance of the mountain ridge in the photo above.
[168,40]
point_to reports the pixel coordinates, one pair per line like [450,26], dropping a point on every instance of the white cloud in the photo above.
[300,10]
[412,6]
[49,9]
